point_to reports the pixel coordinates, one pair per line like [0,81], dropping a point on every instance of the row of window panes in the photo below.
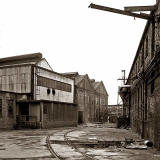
[140,59]
[50,83]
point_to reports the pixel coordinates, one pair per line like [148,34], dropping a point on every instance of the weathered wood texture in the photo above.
[16,79]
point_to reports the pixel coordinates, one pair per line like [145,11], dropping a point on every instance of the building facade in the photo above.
[101,100]
[141,94]
[91,98]
[33,95]
[114,112]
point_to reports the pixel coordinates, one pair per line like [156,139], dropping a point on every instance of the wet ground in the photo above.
[95,140]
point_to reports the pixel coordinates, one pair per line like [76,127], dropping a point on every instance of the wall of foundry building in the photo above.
[144,78]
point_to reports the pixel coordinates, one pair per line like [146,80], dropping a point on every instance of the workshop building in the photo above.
[32,95]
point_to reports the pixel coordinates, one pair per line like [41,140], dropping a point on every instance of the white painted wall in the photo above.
[61,96]
[44,64]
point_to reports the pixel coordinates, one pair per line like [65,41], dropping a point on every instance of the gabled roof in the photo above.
[78,79]
[96,84]
[44,63]
[27,58]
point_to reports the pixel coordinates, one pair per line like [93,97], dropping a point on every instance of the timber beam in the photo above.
[139,8]
[104,8]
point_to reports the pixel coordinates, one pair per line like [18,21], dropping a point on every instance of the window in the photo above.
[50,83]
[23,87]
[146,48]
[152,87]
[23,77]
[0,83]
[142,58]
[0,108]
[11,84]
[10,108]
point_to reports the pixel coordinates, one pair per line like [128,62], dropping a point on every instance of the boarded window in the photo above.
[50,83]
[0,108]
[10,108]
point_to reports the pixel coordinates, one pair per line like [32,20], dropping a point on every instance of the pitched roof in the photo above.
[78,79]
[96,84]
[70,73]
[27,58]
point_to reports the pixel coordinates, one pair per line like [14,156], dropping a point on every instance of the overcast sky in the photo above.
[73,37]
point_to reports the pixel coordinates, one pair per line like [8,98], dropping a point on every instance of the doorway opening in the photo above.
[80,117]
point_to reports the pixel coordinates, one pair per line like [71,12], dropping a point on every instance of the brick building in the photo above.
[114,112]
[141,94]
[101,99]
[33,95]
[91,97]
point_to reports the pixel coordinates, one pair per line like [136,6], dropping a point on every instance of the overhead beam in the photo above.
[139,8]
[104,8]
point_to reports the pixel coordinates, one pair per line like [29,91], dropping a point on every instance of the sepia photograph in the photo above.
[79,79]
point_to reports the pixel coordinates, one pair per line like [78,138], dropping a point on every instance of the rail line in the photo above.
[54,154]
[88,157]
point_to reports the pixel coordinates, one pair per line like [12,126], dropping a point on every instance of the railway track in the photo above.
[53,153]
[69,147]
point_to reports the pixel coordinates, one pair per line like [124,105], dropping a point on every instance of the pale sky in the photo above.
[73,37]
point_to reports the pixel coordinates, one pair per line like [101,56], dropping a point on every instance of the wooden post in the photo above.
[41,115]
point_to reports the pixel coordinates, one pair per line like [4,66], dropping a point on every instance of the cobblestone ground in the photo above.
[31,144]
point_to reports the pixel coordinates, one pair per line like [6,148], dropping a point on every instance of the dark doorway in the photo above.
[24,110]
[80,117]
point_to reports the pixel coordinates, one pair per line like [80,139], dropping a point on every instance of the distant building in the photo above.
[101,99]
[114,112]
[91,97]
[33,95]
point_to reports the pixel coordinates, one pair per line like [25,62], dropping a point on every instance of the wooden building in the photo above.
[33,95]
